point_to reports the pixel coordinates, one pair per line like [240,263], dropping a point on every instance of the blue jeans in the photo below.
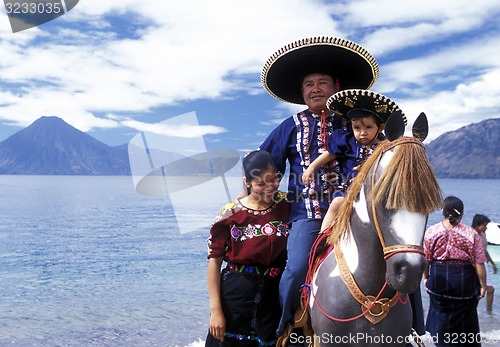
[303,233]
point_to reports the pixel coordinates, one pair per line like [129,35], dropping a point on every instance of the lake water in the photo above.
[86,261]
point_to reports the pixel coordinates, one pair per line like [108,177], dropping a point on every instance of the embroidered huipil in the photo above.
[245,236]
[460,243]
[349,153]
[299,140]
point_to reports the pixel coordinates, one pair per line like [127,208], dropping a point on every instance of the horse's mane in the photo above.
[408,183]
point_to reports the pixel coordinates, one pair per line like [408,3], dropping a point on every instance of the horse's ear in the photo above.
[420,128]
[395,126]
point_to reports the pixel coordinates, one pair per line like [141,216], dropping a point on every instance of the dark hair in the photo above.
[479,219]
[255,162]
[453,209]
[360,113]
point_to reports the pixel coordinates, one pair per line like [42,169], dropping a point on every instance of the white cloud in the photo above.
[455,85]
[179,52]
[126,57]
[178,130]
[450,110]
[395,13]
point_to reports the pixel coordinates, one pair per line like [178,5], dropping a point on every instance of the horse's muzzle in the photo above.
[404,271]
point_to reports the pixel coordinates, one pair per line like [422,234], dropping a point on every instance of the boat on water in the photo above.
[493,233]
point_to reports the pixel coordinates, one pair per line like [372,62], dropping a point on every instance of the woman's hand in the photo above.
[481,275]
[217,324]
[217,319]
[482,293]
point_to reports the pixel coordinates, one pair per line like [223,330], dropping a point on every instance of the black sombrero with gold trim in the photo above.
[342,59]
[346,101]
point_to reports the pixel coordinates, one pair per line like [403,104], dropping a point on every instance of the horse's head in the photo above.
[401,190]
[404,191]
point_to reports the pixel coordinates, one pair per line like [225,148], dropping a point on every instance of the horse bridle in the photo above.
[389,251]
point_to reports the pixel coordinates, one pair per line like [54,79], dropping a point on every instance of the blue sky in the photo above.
[113,68]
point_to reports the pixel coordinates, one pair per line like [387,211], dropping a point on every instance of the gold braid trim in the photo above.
[315,41]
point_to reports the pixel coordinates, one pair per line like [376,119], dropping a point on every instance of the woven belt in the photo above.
[256,270]
[451,262]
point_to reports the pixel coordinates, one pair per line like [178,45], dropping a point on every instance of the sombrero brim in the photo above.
[345,101]
[351,64]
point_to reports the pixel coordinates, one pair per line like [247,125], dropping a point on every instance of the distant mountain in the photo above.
[469,152]
[50,146]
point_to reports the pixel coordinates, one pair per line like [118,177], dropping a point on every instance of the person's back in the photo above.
[455,277]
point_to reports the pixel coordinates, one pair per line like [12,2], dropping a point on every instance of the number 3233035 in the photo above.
[34,7]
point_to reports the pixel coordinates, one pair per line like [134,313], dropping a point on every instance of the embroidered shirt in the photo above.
[460,242]
[299,140]
[348,152]
[245,236]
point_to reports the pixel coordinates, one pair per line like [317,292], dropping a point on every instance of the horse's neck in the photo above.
[350,252]
[361,247]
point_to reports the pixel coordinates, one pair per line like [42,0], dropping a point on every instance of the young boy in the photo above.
[479,223]
[367,111]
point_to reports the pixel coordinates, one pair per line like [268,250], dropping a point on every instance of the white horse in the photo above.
[358,294]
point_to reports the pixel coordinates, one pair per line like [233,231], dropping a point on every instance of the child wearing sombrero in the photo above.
[367,112]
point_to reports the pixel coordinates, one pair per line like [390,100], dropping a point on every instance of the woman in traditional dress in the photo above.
[455,278]
[249,234]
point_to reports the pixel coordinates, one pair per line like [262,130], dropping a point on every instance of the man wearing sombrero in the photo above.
[308,72]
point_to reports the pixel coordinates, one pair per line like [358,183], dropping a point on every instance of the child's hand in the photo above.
[307,176]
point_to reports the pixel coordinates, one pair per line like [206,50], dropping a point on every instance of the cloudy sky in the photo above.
[116,67]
